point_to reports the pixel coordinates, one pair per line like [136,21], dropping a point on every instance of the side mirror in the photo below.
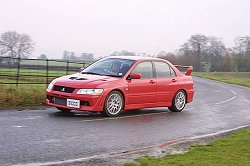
[81,69]
[135,76]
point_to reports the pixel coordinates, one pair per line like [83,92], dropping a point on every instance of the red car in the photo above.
[118,83]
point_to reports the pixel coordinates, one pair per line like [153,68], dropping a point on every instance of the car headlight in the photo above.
[90,91]
[50,86]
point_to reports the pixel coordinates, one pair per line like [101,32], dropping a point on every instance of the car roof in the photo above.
[135,57]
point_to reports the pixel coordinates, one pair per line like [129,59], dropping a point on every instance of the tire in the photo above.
[63,110]
[179,102]
[113,105]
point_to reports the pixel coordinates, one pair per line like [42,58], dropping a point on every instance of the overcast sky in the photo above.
[104,26]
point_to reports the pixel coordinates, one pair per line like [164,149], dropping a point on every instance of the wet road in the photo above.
[37,136]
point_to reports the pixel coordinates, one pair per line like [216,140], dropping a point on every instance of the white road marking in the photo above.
[18,126]
[64,162]
[131,116]
[233,92]
[226,100]
[123,117]
[33,117]
[219,132]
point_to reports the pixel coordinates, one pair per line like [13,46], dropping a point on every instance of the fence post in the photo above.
[18,71]
[47,72]
[67,68]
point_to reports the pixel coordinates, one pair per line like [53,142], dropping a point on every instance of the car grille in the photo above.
[63,101]
[60,101]
[63,89]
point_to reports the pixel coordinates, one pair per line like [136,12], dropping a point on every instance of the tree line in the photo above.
[209,53]
[204,53]
[16,45]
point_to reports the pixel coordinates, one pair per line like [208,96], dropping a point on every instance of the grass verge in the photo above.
[238,78]
[231,150]
[23,96]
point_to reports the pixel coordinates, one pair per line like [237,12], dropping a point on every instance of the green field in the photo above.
[35,75]
[23,96]
[41,71]
[34,95]
[53,63]
[33,72]
[238,78]
[230,151]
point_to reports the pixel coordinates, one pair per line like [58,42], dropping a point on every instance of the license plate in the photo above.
[73,103]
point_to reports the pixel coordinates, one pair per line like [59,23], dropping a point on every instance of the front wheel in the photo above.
[113,104]
[178,102]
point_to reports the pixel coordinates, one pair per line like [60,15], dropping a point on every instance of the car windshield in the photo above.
[114,67]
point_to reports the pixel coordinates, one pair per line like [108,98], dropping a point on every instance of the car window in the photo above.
[145,68]
[172,72]
[109,66]
[163,70]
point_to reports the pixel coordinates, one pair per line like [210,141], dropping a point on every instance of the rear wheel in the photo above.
[64,110]
[178,102]
[113,104]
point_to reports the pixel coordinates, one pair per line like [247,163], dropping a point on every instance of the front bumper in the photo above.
[87,102]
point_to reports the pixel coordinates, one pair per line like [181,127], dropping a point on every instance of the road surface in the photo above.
[47,136]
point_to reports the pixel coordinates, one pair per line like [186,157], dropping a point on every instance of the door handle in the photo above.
[174,80]
[151,81]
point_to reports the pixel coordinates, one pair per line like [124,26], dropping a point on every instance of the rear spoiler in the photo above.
[188,69]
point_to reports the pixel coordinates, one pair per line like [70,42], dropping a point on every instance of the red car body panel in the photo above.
[137,93]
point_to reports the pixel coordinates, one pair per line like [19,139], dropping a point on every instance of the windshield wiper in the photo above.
[90,73]
[111,75]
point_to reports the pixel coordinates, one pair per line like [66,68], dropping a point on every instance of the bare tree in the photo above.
[196,46]
[215,53]
[242,45]
[15,45]
[241,52]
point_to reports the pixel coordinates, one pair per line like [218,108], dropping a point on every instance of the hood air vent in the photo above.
[72,78]
[81,79]
[76,78]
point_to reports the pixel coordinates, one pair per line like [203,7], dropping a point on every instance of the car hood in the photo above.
[79,80]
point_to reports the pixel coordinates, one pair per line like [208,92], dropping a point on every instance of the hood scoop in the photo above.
[77,78]
[72,78]
[81,79]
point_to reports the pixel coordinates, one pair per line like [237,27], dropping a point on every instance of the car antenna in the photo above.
[156,51]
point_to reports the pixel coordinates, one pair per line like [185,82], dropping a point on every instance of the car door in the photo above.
[167,82]
[142,91]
